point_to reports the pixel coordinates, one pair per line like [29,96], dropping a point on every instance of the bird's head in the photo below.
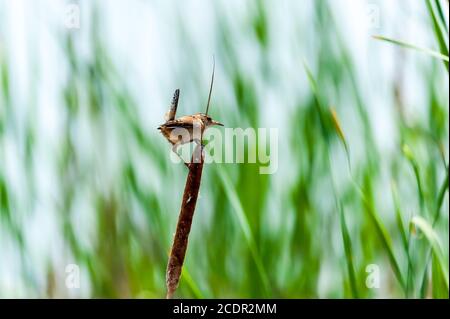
[207,120]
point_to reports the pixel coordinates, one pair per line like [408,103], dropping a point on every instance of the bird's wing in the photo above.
[184,121]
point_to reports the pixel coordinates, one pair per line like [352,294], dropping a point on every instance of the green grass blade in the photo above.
[440,201]
[412,160]
[245,226]
[440,37]
[186,276]
[348,254]
[385,238]
[313,84]
[311,79]
[433,240]
[440,13]
[404,237]
[437,214]
[398,217]
[439,290]
[340,133]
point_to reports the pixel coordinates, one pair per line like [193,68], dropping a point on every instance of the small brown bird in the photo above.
[187,123]
[187,128]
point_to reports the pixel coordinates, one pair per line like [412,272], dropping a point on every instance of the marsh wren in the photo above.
[188,128]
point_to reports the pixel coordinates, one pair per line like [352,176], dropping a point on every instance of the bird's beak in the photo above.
[216,123]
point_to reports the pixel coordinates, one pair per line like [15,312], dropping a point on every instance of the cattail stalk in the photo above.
[180,241]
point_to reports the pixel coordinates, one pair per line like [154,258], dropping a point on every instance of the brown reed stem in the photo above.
[180,241]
